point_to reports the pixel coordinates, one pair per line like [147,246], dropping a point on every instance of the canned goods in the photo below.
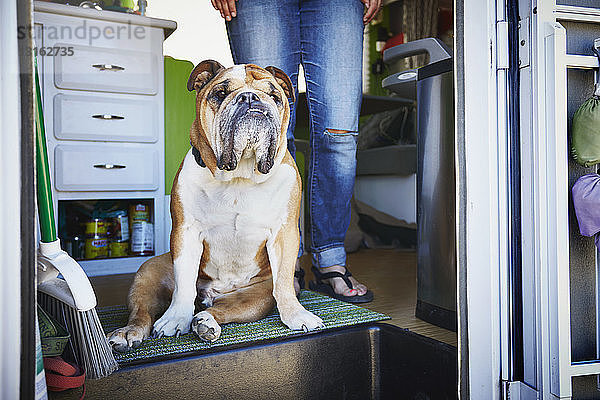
[96,241]
[119,226]
[139,213]
[142,238]
[96,247]
[118,249]
[95,227]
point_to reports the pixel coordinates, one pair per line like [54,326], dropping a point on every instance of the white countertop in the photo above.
[167,25]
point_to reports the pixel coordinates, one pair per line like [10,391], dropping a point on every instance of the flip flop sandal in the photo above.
[299,274]
[319,286]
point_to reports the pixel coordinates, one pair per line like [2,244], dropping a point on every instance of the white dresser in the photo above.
[103,94]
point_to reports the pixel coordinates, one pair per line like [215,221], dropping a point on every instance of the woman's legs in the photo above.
[329,44]
[331,40]
[267,32]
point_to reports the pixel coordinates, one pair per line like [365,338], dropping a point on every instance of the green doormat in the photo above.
[334,314]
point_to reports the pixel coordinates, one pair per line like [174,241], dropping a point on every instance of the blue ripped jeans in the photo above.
[326,37]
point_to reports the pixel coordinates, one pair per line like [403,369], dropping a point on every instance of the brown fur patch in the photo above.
[254,72]
[262,260]
[176,215]
[247,304]
[151,291]
[203,260]
[200,141]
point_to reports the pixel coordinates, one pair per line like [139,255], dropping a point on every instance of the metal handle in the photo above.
[107,116]
[109,166]
[436,49]
[108,67]
[597,52]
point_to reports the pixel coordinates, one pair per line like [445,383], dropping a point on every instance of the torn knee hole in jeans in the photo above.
[340,132]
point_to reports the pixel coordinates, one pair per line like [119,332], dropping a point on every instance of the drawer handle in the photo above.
[107,116]
[108,67]
[109,166]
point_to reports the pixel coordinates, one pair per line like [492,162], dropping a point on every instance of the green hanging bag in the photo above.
[585,145]
[585,142]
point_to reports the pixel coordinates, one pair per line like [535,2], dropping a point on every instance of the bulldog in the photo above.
[234,207]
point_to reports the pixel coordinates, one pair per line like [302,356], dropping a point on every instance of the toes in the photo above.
[121,348]
[205,326]
[169,325]
[302,320]
[209,335]
[127,338]
[198,327]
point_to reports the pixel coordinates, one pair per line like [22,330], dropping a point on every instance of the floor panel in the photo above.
[390,274]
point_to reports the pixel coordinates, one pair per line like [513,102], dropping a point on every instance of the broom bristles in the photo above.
[89,344]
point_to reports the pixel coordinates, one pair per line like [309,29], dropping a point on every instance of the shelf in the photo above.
[111,266]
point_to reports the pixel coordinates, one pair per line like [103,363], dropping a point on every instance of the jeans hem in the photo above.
[330,256]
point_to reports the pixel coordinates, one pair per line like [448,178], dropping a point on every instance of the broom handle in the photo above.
[44,187]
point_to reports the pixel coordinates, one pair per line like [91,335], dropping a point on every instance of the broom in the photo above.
[70,299]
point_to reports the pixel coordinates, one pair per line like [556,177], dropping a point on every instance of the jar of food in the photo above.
[142,238]
[118,226]
[96,239]
[139,212]
[96,226]
[96,247]
[118,249]
[142,231]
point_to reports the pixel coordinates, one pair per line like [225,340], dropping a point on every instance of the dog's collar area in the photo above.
[196,154]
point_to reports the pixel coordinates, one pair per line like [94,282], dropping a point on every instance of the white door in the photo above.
[528,281]
[563,263]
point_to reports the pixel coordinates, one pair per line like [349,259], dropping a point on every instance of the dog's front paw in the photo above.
[126,338]
[175,321]
[206,327]
[302,320]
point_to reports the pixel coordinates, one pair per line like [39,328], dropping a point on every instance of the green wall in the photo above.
[180,110]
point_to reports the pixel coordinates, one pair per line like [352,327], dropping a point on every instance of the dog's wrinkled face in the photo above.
[242,114]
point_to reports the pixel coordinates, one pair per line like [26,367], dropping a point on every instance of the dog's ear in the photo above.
[202,74]
[284,81]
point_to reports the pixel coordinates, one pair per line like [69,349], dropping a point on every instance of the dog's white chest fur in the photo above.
[236,218]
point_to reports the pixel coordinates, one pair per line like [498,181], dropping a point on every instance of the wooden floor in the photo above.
[390,274]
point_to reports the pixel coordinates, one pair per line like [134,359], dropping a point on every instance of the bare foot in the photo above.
[338,284]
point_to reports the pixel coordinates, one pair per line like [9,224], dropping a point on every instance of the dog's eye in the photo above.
[221,94]
[275,98]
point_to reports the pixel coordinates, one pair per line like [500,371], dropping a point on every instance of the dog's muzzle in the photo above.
[248,123]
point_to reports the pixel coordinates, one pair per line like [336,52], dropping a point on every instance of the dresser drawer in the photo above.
[105,168]
[105,118]
[107,70]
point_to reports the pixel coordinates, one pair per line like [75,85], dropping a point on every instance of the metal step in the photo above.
[378,361]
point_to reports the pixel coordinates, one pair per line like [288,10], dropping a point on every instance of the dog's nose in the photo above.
[247,97]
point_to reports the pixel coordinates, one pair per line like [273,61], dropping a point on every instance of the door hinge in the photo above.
[517,390]
[524,42]
[502,45]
